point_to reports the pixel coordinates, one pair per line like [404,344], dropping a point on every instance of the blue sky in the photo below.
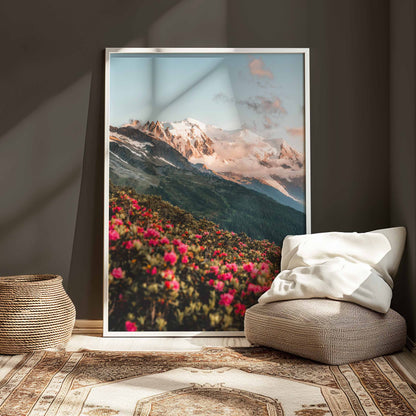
[263,92]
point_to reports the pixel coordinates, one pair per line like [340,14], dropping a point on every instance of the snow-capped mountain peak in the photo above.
[236,154]
[186,136]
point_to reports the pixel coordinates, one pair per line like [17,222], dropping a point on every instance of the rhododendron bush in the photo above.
[169,271]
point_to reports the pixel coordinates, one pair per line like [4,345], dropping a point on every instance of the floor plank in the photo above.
[97,342]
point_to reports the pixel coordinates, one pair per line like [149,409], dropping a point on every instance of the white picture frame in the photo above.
[157,52]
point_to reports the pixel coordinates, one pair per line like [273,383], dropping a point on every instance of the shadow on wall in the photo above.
[54,58]
[52,136]
[40,172]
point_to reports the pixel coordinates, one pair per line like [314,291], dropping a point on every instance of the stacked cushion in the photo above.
[331,302]
[329,331]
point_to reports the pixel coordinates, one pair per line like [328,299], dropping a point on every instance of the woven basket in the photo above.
[35,313]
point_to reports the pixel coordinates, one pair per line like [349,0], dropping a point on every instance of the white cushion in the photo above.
[354,267]
[397,240]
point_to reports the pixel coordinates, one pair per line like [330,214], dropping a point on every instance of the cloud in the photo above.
[296,131]
[258,104]
[268,123]
[240,158]
[249,125]
[278,105]
[257,68]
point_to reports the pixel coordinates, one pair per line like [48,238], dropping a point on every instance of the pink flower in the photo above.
[117,273]
[170,257]
[232,266]
[196,267]
[206,233]
[118,221]
[240,309]
[211,282]
[176,242]
[168,274]
[114,235]
[151,232]
[169,225]
[131,326]
[214,269]
[253,288]
[140,229]
[225,276]
[248,267]
[216,252]
[264,267]
[185,259]
[128,245]
[153,242]
[183,248]
[198,236]
[226,299]
[232,291]
[153,271]
[164,240]
[172,284]
[219,286]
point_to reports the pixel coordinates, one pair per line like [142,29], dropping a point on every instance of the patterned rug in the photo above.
[214,381]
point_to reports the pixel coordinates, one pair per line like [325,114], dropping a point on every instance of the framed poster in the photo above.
[206,171]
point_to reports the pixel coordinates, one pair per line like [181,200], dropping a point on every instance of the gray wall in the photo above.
[51,130]
[403,149]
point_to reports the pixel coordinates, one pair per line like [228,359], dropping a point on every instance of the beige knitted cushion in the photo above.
[324,330]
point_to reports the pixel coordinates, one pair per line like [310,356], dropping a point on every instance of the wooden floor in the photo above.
[407,361]
[97,342]
[88,334]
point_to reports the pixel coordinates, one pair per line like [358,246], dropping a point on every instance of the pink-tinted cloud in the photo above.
[268,123]
[258,104]
[296,131]
[257,68]
[278,105]
[266,105]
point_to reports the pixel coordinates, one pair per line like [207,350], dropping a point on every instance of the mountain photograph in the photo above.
[175,163]
[200,204]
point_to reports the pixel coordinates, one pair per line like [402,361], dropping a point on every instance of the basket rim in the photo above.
[30,280]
